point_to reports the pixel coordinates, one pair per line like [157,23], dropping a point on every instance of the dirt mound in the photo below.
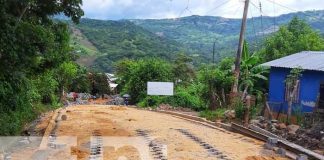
[79,152]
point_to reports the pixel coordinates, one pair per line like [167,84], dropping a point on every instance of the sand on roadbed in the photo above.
[114,121]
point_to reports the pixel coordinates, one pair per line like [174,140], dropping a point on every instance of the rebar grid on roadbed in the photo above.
[96,146]
[155,147]
[210,149]
[296,149]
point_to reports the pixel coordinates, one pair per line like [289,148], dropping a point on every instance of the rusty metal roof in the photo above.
[307,60]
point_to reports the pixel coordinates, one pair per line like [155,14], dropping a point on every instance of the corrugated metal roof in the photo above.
[307,60]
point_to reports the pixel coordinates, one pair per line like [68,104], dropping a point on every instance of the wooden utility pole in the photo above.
[240,48]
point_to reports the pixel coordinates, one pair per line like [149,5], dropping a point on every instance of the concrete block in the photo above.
[302,157]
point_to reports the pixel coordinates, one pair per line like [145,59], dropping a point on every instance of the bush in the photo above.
[213,115]
[239,108]
[184,99]
[13,122]
[142,71]
[150,101]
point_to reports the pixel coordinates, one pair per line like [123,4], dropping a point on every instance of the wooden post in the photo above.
[264,100]
[247,110]
[266,107]
[240,48]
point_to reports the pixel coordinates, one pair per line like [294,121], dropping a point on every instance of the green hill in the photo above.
[194,35]
[198,33]
[122,39]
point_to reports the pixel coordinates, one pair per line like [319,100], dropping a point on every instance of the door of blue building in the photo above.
[321,99]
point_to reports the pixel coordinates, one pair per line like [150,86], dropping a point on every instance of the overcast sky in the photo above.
[158,9]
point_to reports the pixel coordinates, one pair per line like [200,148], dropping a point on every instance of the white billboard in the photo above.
[160,88]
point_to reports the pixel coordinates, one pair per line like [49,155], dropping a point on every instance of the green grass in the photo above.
[213,115]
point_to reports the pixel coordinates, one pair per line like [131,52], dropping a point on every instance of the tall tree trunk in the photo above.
[247,110]
[223,96]
[245,92]
[212,105]
[62,95]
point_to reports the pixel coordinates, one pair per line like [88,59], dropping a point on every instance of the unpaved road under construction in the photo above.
[129,133]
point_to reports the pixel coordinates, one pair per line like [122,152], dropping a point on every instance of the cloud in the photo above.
[157,9]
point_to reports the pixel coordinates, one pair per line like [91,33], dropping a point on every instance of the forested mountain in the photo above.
[116,40]
[198,33]
[194,35]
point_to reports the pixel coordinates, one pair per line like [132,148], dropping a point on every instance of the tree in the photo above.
[292,82]
[183,70]
[32,47]
[217,82]
[81,83]
[99,83]
[295,37]
[142,71]
[251,71]
[66,72]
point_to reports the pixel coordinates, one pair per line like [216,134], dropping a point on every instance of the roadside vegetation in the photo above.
[36,61]
[207,88]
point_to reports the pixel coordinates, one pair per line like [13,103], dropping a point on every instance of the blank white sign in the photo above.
[160,88]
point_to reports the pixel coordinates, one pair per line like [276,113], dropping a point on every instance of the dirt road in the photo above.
[133,129]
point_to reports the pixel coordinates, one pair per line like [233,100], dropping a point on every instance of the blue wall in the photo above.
[309,89]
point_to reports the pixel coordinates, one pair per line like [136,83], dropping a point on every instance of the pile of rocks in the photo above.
[311,138]
[229,114]
[168,107]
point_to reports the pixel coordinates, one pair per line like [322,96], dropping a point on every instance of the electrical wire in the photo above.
[220,5]
[291,9]
[274,16]
[261,18]
[253,28]
[185,9]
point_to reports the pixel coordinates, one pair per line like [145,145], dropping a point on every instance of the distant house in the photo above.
[111,81]
[111,77]
[311,84]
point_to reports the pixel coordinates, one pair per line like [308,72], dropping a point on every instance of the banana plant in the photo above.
[251,71]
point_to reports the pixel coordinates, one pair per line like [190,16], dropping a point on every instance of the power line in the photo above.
[236,10]
[185,9]
[259,7]
[225,2]
[276,3]
[274,16]
[291,9]
[261,18]
[253,28]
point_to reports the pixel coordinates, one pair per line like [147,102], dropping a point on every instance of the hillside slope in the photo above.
[86,51]
[123,39]
[198,33]
[194,35]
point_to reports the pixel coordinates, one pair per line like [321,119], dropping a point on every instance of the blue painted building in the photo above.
[311,84]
